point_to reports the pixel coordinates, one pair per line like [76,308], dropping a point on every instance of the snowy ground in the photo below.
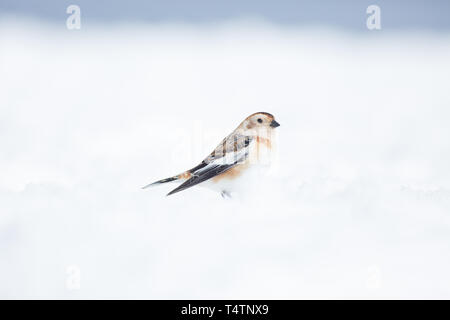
[357,205]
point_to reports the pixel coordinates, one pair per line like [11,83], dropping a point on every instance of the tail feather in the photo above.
[161,181]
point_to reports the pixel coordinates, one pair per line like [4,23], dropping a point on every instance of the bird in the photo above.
[247,146]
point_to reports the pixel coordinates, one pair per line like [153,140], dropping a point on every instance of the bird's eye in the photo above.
[259,120]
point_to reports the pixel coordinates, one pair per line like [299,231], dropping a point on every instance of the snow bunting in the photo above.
[244,148]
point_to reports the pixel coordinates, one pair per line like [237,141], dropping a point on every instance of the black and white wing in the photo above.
[232,151]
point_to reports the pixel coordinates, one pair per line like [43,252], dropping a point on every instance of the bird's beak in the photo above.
[274,124]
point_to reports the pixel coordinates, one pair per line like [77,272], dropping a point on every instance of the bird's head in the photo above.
[260,120]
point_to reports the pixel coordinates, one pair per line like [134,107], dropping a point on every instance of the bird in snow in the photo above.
[243,149]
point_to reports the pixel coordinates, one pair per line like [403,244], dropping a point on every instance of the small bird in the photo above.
[236,154]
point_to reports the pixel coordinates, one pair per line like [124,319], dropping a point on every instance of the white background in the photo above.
[357,204]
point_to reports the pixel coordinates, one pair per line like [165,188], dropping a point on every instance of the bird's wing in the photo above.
[233,150]
[234,143]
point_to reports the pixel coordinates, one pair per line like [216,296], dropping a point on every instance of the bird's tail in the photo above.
[174,178]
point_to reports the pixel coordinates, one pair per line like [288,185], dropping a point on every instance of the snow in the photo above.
[356,205]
